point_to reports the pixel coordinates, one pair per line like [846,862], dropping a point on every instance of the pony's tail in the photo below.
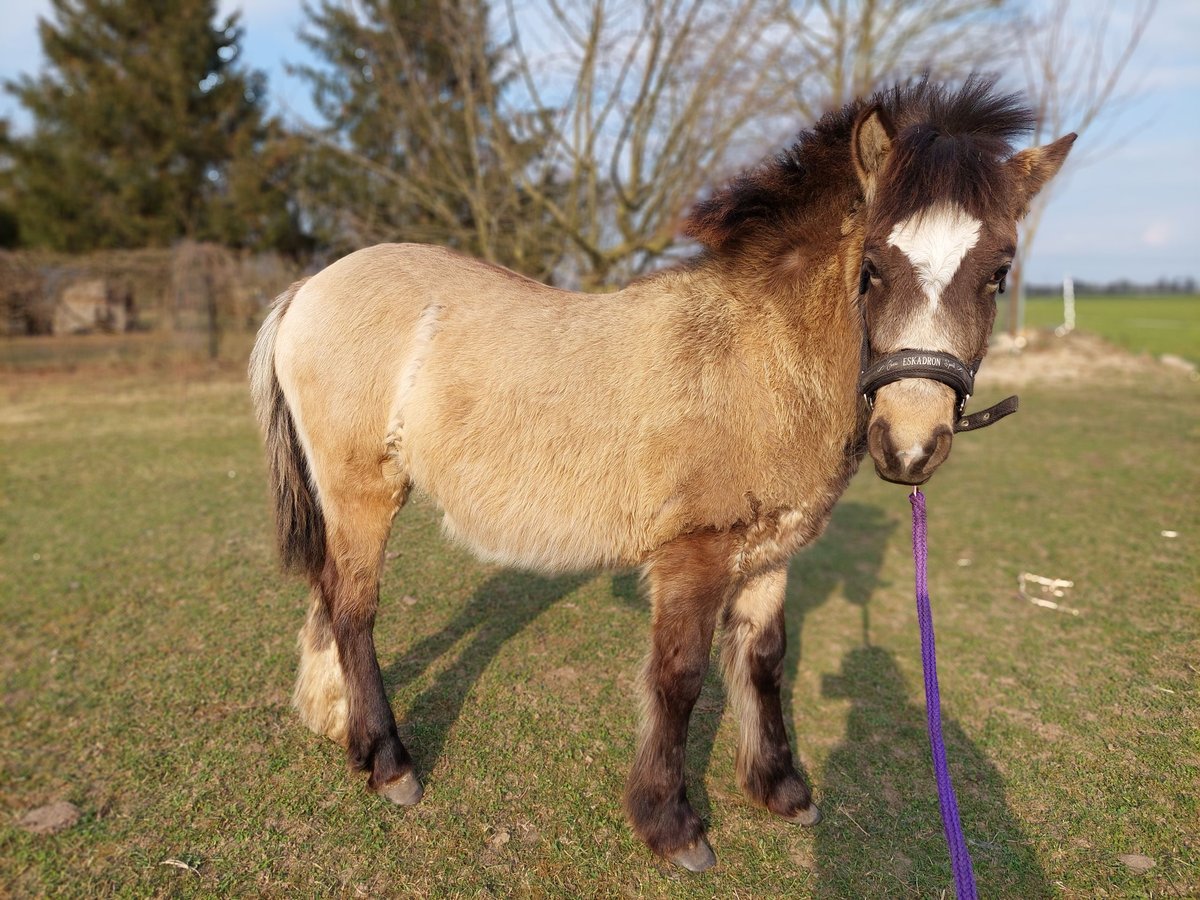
[299,523]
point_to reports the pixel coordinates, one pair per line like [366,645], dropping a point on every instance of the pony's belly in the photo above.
[527,486]
[534,544]
[513,505]
[516,519]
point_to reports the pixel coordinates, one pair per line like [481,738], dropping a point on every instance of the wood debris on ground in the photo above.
[1043,589]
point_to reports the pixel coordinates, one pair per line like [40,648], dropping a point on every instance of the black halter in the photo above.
[949,370]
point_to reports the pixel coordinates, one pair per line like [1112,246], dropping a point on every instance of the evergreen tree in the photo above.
[146,130]
[10,230]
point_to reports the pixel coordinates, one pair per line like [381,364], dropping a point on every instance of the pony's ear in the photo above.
[871,142]
[1032,168]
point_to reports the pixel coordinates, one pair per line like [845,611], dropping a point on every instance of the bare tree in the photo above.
[561,137]
[1074,63]
[852,47]
[566,138]
[647,102]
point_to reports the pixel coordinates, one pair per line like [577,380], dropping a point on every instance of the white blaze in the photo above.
[935,240]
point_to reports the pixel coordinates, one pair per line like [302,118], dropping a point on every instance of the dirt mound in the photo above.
[1076,357]
[50,819]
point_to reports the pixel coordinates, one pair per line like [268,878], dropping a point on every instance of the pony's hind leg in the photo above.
[753,643]
[320,694]
[357,519]
[689,581]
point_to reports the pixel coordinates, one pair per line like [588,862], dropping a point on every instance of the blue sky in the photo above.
[1133,212]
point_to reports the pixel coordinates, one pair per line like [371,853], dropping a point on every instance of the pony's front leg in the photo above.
[689,581]
[753,644]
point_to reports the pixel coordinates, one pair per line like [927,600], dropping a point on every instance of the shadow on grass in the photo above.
[849,555]
[498,610]
[882,833]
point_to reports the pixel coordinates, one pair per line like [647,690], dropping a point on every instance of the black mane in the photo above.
[948,143]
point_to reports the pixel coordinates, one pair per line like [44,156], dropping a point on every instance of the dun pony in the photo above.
[699,424]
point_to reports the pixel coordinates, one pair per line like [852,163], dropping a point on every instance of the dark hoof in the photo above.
[695,858]
[809,816]
[404,791]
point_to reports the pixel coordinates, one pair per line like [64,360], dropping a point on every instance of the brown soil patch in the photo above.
[1077,357]
[50,819]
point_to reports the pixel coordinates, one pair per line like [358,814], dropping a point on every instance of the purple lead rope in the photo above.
[960,858]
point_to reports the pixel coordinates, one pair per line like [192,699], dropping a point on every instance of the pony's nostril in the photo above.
[910,458]
[878,441]
[910,462]
[939,449]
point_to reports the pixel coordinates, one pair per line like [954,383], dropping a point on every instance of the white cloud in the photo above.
[1158,234]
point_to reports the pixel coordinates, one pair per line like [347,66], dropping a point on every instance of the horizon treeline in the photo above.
[1118,287]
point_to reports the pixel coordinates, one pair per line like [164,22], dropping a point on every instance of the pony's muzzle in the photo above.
[911,463]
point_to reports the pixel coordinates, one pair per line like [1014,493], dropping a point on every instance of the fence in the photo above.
[198,290]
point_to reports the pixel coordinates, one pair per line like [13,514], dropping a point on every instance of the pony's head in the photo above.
[943,193]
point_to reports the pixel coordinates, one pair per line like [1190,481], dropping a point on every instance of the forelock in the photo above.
[949,147]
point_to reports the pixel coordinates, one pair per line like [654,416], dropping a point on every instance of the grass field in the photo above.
[149,652]
[1151,324]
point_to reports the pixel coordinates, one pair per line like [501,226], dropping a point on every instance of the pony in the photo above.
[698,425]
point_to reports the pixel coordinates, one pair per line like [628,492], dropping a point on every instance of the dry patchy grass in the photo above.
[149,651]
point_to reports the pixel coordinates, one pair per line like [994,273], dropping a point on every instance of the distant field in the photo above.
[1152,324]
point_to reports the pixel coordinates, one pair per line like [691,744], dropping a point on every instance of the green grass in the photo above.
[1155,325]
[149,652]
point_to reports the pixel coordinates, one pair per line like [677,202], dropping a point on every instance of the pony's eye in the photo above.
[868,274]
[999,278]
